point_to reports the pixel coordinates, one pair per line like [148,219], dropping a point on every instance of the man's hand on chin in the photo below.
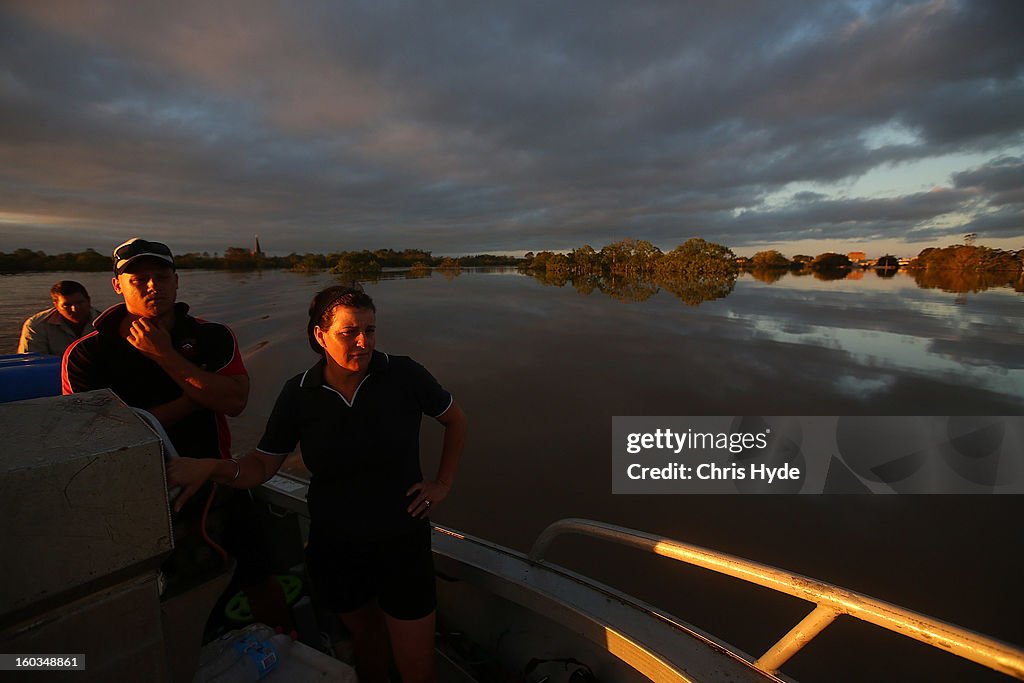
[151,340]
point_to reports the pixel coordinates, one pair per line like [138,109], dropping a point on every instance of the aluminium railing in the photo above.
[830,601]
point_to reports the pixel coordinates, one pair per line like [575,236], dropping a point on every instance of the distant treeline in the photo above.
[634,270]
[698,270]
[237,258]
[959,257]
[366,263]
[636,258]
[969,258]
[968,268]
[775,260]
[628,258]
[960,268]
[693,259]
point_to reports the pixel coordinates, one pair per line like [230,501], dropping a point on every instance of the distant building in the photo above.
[856,256]
[257,252]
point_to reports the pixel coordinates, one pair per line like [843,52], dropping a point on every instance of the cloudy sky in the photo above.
[511,126]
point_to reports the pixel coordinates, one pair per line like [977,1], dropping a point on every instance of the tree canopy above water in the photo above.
[698,270]
[634,270]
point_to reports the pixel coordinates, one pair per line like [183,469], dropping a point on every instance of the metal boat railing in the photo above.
[831,601]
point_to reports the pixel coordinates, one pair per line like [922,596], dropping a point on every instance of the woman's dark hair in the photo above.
[321,308]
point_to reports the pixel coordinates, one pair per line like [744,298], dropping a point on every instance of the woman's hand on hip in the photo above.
[428,494]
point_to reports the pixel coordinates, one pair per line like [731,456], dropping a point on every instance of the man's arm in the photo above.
[226,394]
[32,341]
[78,370]
[174,411]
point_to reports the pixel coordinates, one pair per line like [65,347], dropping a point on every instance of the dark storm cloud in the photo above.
[339,125]
[1001,181]
[1008,222]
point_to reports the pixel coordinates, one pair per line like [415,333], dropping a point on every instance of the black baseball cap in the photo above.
[137,248]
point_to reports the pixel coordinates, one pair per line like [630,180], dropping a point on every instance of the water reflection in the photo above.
[416,272]
[692,292]
[964,281]
[876,358]
[829,275]
[627,289]
[768,275]
[695,291]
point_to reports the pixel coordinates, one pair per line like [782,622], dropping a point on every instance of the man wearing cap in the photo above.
[52,331]
[153,355]
[187,372]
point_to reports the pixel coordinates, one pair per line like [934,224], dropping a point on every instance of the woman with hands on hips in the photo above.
[356,414]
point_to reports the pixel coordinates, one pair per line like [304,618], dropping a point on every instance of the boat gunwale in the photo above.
[830,600]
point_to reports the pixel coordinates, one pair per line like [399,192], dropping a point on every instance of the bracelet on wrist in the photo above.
[238,469]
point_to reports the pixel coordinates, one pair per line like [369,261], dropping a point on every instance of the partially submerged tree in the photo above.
[769,259]
[830,261]
[887,262]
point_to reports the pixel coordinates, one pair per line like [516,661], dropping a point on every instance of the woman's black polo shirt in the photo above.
[363,456]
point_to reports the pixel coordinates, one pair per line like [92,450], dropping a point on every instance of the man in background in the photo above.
[52,331]
[189,374]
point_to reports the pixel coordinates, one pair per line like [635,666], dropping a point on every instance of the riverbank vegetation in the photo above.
[698,270]
[630,269]
[968,268]
[634,270]
[237,258]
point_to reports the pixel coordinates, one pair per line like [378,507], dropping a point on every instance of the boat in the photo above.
[84,495]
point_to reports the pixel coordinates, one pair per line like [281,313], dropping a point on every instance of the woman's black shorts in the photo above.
[398,571]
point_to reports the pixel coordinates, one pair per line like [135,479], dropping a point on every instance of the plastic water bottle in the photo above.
[257,659]
[220,655]
[217,655]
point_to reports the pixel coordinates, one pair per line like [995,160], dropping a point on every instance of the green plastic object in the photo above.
[238,612]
